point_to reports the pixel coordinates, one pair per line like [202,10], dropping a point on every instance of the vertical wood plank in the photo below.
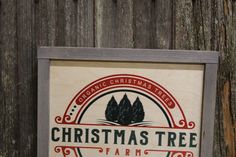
[85,23]
[202,13]
[164,24]
[113,27]
[105,23]
[184,37]
[233,75]
[144,24]
[26,86]
[233,99]
[41,23]
[8,81]
[60,23]
[206,9]
[124,32]
[51,22]
[70,22]
[225,135]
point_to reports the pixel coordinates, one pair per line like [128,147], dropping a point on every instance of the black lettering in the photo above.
[144,140]
[95,139]
[53,134]
[132,138]
[182,136]
[106,131]
[160,133]
[78,134]
[171,139]
[119,134]
[86,135]
[192,140]
[66,135]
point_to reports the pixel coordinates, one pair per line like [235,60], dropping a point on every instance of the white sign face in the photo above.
[119,109]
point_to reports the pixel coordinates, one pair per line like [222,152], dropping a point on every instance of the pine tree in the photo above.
[137,111]
[112,110]
[125,111]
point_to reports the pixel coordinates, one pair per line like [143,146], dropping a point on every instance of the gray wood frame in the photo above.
[208,58]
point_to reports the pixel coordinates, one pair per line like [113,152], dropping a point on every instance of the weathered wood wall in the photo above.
[165,24]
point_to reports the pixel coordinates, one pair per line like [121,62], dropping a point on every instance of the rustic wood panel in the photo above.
[184,28]
[164,24]
[114,23]
[9,109]
[85,23]
[225,130]
[180,24]
[144,24]
[26,74]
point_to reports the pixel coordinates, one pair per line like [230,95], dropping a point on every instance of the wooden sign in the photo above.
[125,102]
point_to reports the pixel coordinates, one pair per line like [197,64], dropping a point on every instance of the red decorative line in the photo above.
[185,125]
[174,153]
[182,154]
[123,126]
[66,150]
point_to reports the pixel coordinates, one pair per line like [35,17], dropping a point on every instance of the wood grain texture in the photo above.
[114,23]
[184,28]
[26,86]
[144,24]
[224,42]
[51,21]
[70,10]
[164,24]
[180,24]
[202,24]
[9,109]
[85,23]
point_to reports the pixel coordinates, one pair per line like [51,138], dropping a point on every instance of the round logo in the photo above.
[124,115]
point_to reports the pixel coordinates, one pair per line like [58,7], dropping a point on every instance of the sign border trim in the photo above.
[208,58]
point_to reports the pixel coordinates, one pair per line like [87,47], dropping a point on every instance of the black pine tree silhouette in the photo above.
[125,111]
[137,111]
[112,110]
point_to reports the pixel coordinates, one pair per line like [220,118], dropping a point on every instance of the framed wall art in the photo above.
[105,102]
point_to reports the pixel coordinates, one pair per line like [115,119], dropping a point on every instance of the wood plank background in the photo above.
[164,24]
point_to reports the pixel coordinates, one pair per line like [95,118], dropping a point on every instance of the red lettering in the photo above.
[111,82]
[167,99]
[107,151]
[138,152]
[163,96]
[139,83]
[80,100]
[117,152]
[127,152]
[84,96]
